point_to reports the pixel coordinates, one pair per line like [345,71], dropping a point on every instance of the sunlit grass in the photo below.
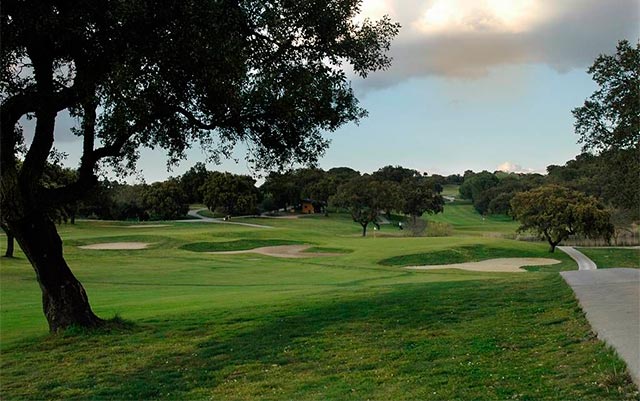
[613,257]
[193,325]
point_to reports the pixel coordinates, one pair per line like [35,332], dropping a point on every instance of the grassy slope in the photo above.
[613,257]
[236,245]
[208,213]
[252,326]
[451,190]
[466,221]
[475,253]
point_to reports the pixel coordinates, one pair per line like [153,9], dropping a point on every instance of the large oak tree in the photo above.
[608,124]
[363,197]
[166,74]
[230,193]
[610,117]
[420,197]
[556,212]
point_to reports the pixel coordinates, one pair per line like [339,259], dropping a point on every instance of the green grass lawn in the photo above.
[613,257]
[210,214]
[248,326]
[451,190]
[466,221]
[237,245]
[476,253]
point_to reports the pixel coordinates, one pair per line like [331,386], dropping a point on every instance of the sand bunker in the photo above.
[117,245]
[511,265]
[148,225]
[282,251]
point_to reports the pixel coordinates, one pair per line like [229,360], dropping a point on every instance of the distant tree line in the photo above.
[595,195]
[612,177]
[396,189]
[605,176]
[609,180]
[389,189]
[608,126]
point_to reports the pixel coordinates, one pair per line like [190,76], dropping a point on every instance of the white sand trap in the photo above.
[148,225]
[510,265]
[281,251]
[117,245]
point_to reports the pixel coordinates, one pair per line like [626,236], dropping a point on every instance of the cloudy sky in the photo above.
[475,84]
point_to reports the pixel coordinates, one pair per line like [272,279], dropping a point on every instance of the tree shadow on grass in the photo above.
[315,340]
[434,340]
[113,326]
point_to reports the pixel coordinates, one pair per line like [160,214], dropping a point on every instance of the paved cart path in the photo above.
[584,263]
[610,299]
[202,219]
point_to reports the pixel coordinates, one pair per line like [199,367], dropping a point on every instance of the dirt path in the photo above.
[584,263]
[281,251]
[610,299]
[509,265]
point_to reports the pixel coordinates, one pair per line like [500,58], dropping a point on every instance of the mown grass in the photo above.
[237,245]
[476,253]
[206,326]
[473,253]
[466,221]
[451,190]
[210,214]
[613,257]
[324,249]
[497,339]
[155,241]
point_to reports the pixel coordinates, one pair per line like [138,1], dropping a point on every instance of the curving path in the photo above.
[202,219]
[584,263]
[610,299]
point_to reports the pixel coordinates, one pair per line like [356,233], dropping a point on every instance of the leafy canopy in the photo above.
[166,200]
[363,197]
[610,118]
[169,74]
[555,213]
[419,197]
[232,194]
[609,124]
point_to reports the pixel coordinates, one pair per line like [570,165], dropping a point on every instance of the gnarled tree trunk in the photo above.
[64,300]
[10,240]
[553,242]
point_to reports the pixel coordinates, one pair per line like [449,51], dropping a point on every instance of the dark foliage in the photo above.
[148,73]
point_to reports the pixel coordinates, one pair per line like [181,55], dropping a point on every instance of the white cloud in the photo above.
[374,9]
[466,38]
[509,167]
[446,16]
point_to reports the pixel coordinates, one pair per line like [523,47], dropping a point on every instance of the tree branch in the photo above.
[86,176]
[32,100]
[193,120]
[36,158]
[29,101]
